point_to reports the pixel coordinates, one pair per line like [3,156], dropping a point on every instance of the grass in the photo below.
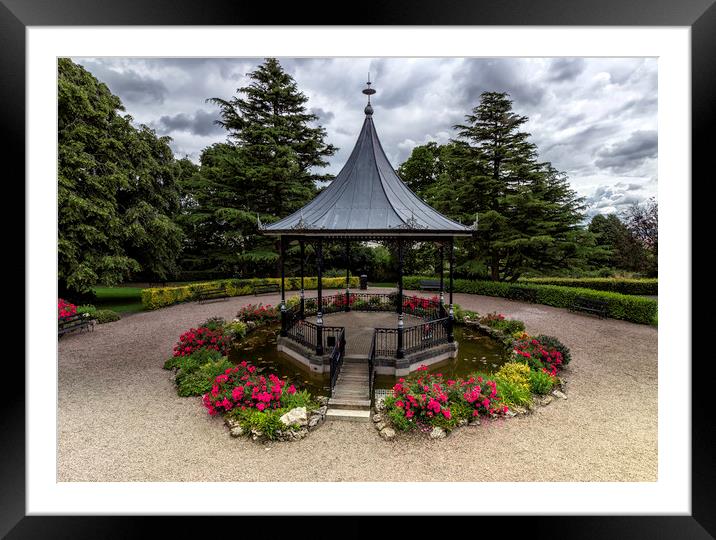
[119,299]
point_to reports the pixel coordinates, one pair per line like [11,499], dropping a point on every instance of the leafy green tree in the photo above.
[528,215]
[622,250]
[117,193]
[265,171]
[642,221]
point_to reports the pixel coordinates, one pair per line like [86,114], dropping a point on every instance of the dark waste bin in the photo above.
[363,282]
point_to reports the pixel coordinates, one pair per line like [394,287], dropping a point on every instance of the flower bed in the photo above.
[263,406]
[65,309]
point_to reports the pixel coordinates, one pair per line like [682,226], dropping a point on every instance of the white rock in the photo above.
[295,416]
[475,422]
[546,400]
[559,394]
[380,426]
[376,418]
[387,433]
[462,422]
[313,422]
[437,433]
[236,431]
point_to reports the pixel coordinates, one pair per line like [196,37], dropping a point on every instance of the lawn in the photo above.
[119,299]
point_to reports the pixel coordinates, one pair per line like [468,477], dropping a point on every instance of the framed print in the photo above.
[405,265]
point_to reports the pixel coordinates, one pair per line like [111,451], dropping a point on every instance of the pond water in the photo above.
[476,352]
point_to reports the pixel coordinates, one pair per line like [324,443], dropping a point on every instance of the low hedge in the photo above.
[154,298]
[619,306]
[648,286]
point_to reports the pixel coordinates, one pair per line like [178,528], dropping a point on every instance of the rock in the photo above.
[387,433]
[520,410]
[236,431]
[510,413]
[462,422]
[256,434]
[376,418]
[380,404]
[474,422]
[231,423]
[323,410]
[313,422]
[322,400]
[559,394]
[437,433]
[300,434]
[546,400]
[295,416]
[380,425]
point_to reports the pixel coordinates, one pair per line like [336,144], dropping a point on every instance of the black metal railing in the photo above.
[371,367]
[425,335]
[337,354]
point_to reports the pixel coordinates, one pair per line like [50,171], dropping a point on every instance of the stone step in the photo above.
[356,404]
[355,358]
[348,414]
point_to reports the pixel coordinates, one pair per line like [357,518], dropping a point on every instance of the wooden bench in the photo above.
[429,285]
[217,293]
[266,288]
[74,322]
[590,305]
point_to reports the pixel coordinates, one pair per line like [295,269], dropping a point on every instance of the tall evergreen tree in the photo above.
[528,215]
[265,170]
[117,193]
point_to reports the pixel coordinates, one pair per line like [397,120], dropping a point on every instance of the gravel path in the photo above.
[119,418]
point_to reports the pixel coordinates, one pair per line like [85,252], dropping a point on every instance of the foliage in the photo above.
[117,189]
[429,399]
[214,323]
[266,169]
[538,356]
[153,298]
[551,342]
[268,422]
[196,382]
[202,338]
[241,387]
[642,221]
[65,309]
[542,382]
[645,286]
[103,316]
[513,384]
[529,217]
[619,306]
[498,322]
[237,329]
[259,314]
[192,361]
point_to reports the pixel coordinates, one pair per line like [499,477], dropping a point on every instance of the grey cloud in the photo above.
[565,69]
[200,123]
[129,85]
[323,116]
[630,153]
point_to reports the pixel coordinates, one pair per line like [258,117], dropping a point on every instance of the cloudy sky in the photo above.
[593,118]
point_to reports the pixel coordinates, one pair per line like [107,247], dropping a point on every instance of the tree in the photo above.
[642,220]
[265,171]
[528,215]
[117,193]
[621,249]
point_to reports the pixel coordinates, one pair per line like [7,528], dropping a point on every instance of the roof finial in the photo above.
[368,91]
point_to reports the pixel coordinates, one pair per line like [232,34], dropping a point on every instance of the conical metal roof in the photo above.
[367,198]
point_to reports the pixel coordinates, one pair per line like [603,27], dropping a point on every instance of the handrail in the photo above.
[336,358]
[371,367]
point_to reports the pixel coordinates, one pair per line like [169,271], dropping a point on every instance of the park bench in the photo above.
[74,322]
[590,305]
[266,288]
[429,285]
[216,293]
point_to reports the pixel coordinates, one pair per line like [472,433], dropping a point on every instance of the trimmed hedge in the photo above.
[154,298]
[619,306]
[649,286]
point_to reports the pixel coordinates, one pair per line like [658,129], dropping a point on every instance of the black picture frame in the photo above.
[699,15]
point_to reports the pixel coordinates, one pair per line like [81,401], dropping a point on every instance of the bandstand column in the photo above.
[348,275]
[442,280]
[284,321]
[400,353]
[303,304]
[451,313]
[319,300]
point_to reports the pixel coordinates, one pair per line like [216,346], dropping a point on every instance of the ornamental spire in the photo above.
[368,91]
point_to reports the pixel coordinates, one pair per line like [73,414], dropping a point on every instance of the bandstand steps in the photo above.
[345,403]
[348,414]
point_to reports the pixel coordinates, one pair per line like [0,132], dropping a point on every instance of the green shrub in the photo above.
[267,422]
[509,326]
[200,380]
[193,361]
[551,342]
[302,398]
[237,329]
[87,308]
[646,286]
[157,297]
[542,382]
[214,323]
[619,306]
[105,316]
[513,384]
